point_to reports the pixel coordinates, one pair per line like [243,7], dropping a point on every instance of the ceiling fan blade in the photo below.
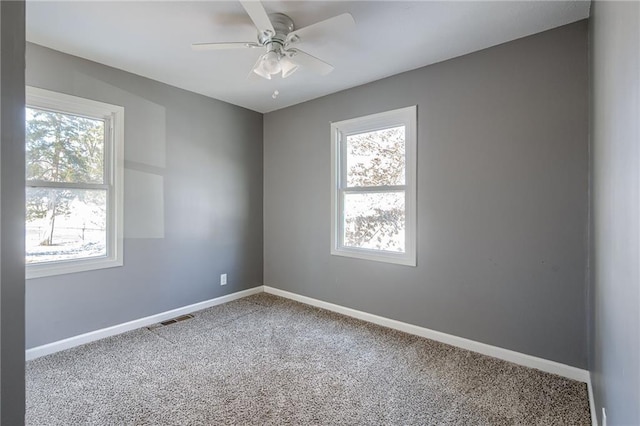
[308,61]
[331,25]
[223,46]
[258,15]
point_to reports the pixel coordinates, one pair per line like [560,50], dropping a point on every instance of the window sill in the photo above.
[70,267]
[386,257]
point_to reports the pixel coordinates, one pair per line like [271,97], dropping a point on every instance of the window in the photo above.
[374,187]
[74,179]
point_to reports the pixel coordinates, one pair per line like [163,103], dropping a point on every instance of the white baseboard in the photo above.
[542,364]
[81,339]
[592,403]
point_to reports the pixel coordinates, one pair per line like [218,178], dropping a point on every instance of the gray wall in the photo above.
[615,258]
[502,198]
[12,213]
[193,202]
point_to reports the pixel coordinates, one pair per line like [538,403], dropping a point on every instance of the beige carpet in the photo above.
[267,360]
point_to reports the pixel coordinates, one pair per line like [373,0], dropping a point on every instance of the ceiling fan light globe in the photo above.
[271,63]
[288,67]
[259,69]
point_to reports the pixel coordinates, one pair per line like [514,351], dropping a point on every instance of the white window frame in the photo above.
[339,132]
[113,117]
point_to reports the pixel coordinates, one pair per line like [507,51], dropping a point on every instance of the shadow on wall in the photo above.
[145,153]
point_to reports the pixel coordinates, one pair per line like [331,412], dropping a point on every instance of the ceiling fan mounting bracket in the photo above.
[282,25]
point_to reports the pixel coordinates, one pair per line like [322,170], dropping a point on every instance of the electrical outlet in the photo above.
[223,279]
[604,417]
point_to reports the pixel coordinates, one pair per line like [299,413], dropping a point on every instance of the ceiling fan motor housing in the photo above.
[282,25]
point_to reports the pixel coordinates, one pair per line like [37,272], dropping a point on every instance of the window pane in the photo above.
[376,158]
[64,147]
[375,221]
[65,224]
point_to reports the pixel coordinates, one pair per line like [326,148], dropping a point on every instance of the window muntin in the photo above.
[74,173]
[373,187]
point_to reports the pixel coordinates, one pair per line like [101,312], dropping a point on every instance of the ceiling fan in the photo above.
[277,34]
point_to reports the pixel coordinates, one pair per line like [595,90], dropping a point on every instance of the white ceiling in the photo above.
[153,39]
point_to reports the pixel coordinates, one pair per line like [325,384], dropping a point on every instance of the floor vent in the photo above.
[170,321]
